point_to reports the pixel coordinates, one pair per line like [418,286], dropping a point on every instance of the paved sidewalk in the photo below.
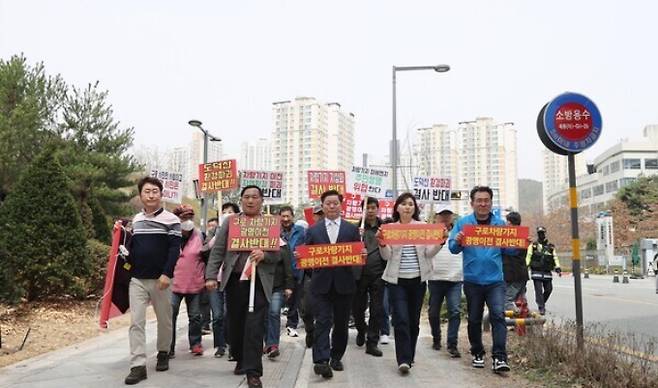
[104,362]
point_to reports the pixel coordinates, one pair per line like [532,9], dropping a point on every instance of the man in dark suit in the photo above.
[246,329]
[332,288]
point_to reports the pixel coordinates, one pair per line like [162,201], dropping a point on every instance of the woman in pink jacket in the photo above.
[189,280]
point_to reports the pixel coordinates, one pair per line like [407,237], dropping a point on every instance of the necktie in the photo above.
[332,231]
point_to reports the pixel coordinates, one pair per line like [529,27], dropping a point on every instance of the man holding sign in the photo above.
[246,327]
[483,281]
[332,288]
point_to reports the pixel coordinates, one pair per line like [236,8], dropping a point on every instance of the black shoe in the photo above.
[500,365]
[374,350]
[323,370]
[172,354]
[163,362]
[309,340]
[231,357]
[436,345]
[336,365]
[453,352]
[478,361]
[137,374]
[220,353]
[542,311]
[238,370]
[254,382]
[360,338]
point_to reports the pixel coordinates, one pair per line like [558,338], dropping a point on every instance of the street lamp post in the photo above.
[206,136]
[394,146]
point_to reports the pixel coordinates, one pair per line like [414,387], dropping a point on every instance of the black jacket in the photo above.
[514,267]
[283,278]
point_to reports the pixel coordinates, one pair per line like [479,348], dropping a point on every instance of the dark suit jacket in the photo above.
[341,278]
[221,255]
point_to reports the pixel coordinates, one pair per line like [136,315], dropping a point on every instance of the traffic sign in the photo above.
[570,123]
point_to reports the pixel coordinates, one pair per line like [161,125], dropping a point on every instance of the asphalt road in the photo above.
[626,308]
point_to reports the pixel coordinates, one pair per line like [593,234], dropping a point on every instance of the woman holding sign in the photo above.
[407,270]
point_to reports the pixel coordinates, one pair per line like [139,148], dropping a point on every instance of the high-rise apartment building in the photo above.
[556,174]
[256,156]
[309,135]
[479,152]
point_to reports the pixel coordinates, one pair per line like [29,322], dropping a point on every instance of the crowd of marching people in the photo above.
[173,261]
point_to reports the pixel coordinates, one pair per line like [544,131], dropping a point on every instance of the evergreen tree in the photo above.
[42,235]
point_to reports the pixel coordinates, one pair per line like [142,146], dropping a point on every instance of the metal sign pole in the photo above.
[575,246]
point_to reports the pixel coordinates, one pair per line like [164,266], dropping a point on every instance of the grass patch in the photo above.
[549,354]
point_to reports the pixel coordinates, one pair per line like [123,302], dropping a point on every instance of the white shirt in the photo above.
[329,224]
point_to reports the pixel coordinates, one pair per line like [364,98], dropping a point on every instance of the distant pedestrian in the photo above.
[153,252]
[446,283]
[483,281]
[542,260]
[408,268]
[294,236]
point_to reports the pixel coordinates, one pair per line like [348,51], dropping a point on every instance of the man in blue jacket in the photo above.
[483,281]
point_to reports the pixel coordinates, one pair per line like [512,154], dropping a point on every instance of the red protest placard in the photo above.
[329,255]
[308,216]
[386,208]
[218,176]
[352,209]
[496,236]
[250,233]
[321,181]
[414,234]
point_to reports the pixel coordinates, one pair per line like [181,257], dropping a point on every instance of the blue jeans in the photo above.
[193,314]
[273,319]
[406,299]
[386,325]
[494,296]
[452,292]
[216,299]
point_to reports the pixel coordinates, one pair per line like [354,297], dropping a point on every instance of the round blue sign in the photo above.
[571,122]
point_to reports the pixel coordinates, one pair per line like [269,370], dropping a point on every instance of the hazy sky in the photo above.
[225,62]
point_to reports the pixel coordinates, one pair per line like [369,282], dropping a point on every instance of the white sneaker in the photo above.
[292,332]
[383,339]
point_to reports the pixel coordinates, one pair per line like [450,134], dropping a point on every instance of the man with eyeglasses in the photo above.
[483,281]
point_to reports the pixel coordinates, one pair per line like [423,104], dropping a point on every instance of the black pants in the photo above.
[330,309]
[293,305]
[204,306]
[369,288]
[543,289]
[406,300]
[247,329]
[306,309]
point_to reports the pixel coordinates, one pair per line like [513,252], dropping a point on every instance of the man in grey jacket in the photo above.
[246,328]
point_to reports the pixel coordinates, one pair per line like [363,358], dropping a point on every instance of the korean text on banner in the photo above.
[368,182]
[250,233]
[321,181]
[270,182]
[496,236]
[218,176]
[431,189]
[172,185]
[414,234]
[329,255]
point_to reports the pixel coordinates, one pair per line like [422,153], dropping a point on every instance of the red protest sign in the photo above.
[496,236]
[250,233]
[308,216]
[386,208]
[414,234]
[218,176]
[329,255]
[321,181]
[352,209]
